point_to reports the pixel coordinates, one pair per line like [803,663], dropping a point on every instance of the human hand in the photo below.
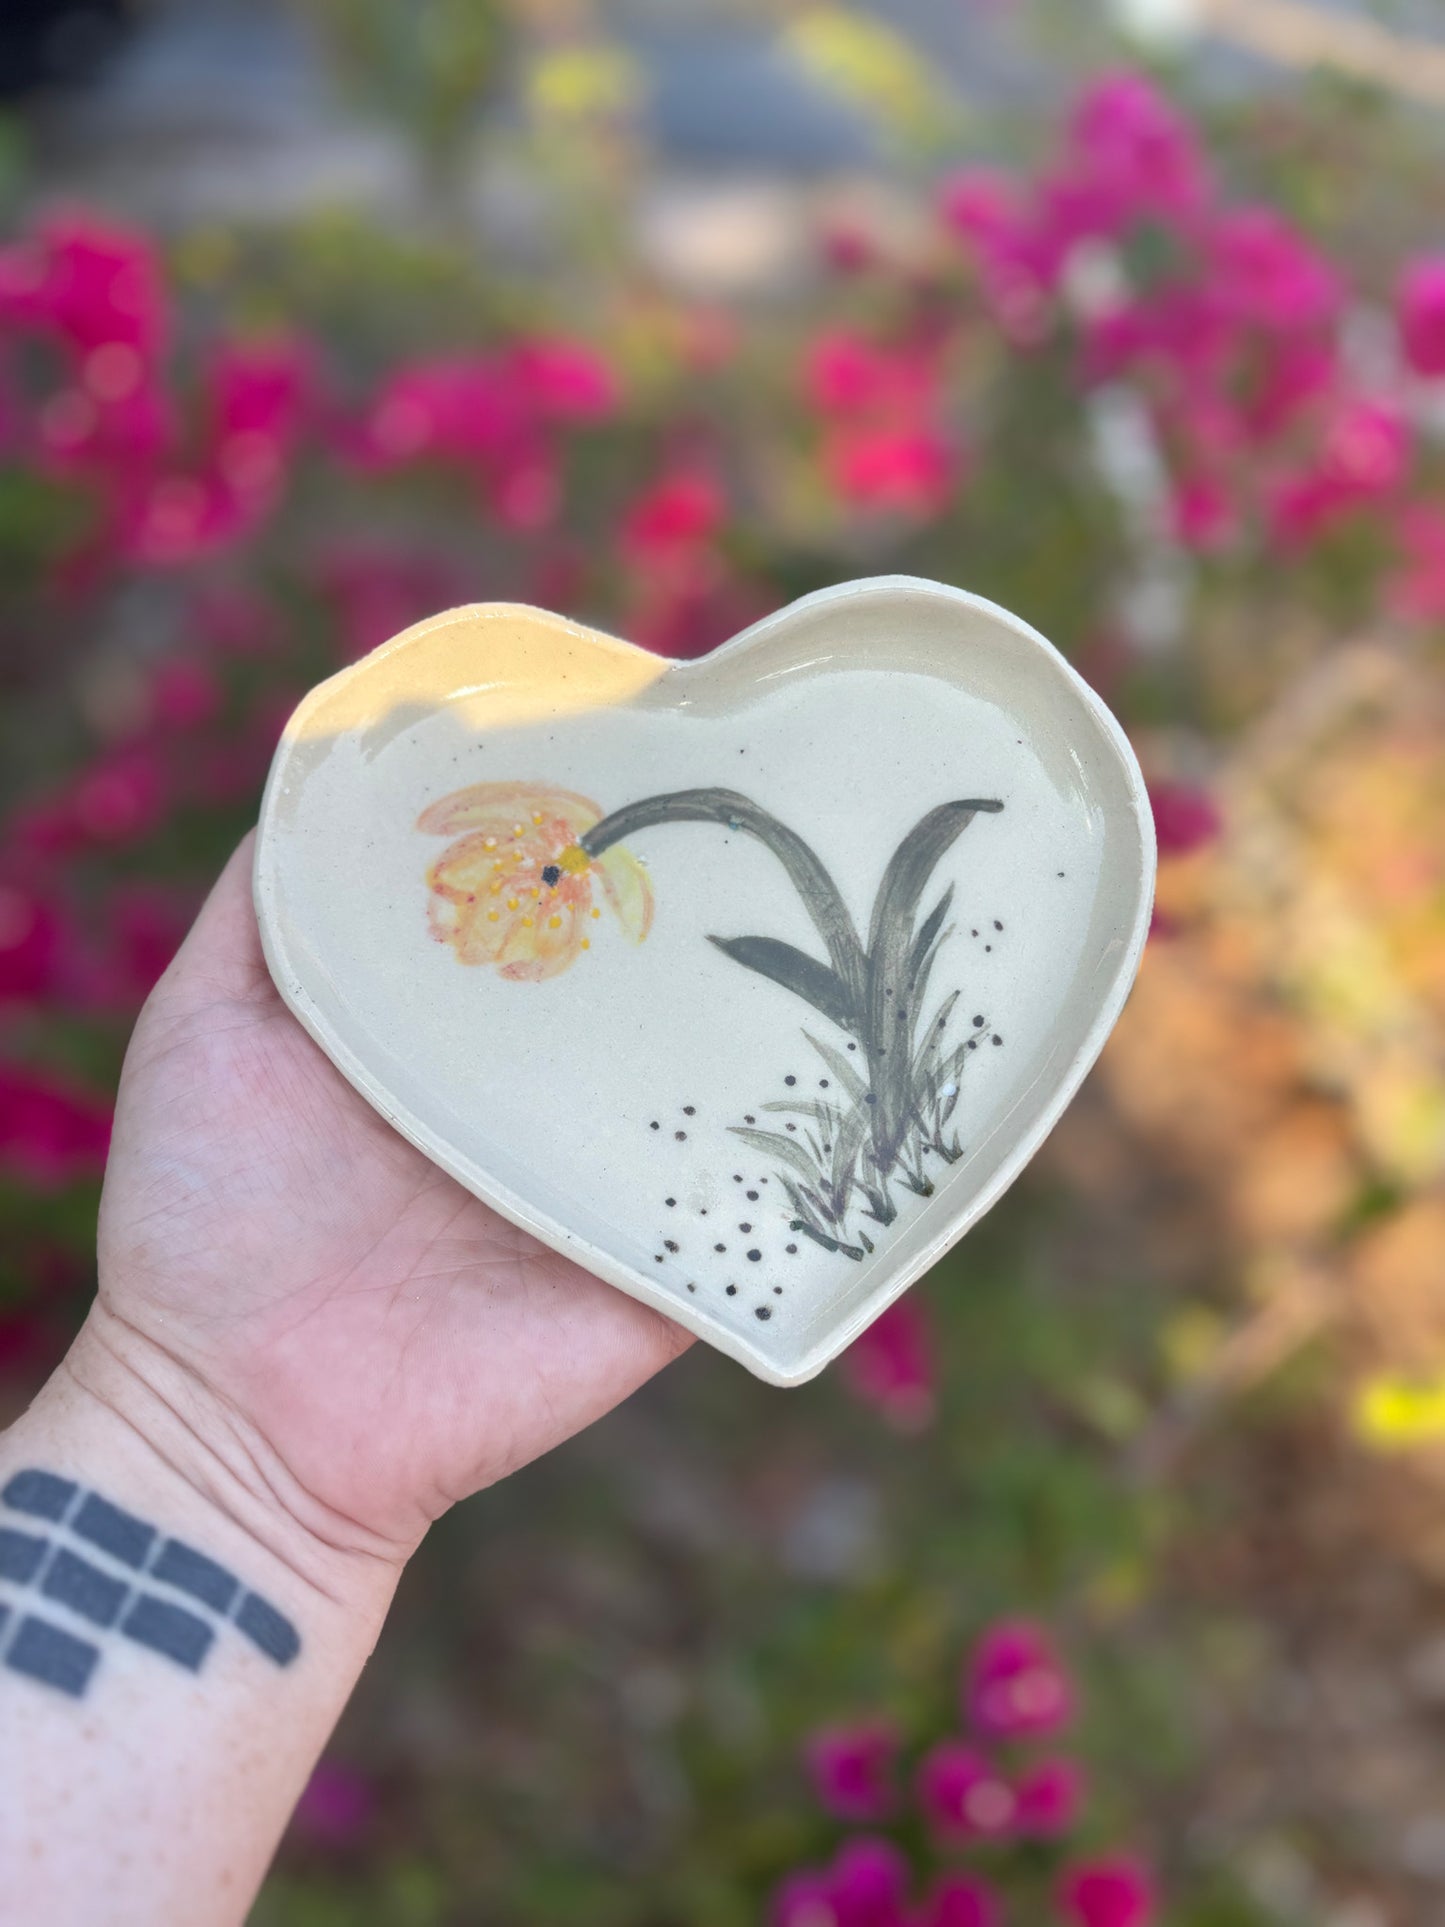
[321,1303]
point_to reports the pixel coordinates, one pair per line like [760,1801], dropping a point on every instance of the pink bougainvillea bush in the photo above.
[998,1807]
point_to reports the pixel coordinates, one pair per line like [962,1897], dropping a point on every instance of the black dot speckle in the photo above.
[732,1291]
[748,1118]
[679,1135]
[719,1247]
[822,1083]
[996,924]
[996,1039]
[777,1291]
[762,1311]
[670,1202]
[654,1125]
[792,1250]
[978,1023]
[692,1287]
[689,1110]
[551,874]
[753,1196]
[669,1244]
[744,1227]
[790,1080]
[852,1047]
[657,1258]
[755,1254]
[790,1127]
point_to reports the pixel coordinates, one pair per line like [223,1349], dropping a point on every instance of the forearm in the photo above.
[181,1630]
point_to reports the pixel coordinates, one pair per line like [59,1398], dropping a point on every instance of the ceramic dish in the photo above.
[750,982]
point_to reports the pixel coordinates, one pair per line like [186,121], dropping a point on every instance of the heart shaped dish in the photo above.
[749,982]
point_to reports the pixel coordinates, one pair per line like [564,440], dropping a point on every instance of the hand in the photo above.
[278,1261]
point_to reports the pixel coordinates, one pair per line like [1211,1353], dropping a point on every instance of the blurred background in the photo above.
[1102,1583]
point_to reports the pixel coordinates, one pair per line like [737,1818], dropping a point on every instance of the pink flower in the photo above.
[88,283]
[566,381]
[525,489]
[1269,274]
[983,204]
[257,393]
[890,1365]
[115,418]
[805,1899]
[1050,1794]
[1185,817]
[185,694]
[30,929]
[119,799]
[1302,507]
[911,471]
[846,374]
[176,517]
[259,387]
[1134,153]
[866,1886]
[961,1900]
[1203,513]
[1015,1686]
[1108,1893]
[1019,256]
[965,1796]
[681,511]
[1367,447]
[1364,454]
[337,1807]
[461,408]
[851,1768]
[1296,371]
[51,1132]
[1420,314]
[870,1882]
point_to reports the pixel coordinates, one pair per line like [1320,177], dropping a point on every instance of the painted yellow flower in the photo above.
[515,888]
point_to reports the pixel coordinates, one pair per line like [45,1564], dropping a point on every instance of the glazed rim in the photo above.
[1105,972]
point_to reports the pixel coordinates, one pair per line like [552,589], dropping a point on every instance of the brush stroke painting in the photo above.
[514,891]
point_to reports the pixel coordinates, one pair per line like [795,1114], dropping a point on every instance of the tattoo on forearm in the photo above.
[106,1570]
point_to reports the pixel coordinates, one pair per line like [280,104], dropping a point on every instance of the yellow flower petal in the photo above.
[532,952]
[627,890]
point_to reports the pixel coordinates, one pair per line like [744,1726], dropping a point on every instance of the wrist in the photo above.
[178,1634]
[123,1412]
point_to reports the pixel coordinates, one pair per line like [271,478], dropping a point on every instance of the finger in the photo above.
[222,956]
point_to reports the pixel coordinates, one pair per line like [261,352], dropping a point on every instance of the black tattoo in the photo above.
[91,1566]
